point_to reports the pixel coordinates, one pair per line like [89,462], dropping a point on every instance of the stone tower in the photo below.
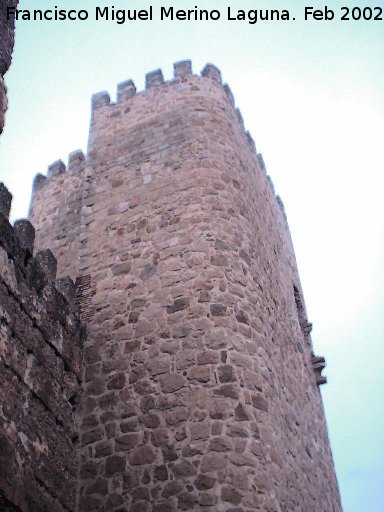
[200,389]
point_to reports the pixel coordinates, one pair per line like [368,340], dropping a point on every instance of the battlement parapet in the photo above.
[41,361]
[76,163]
[240,118]
[25,232]
[126,91]
[48,263]
[38,182]
[100,99]
[154,79]
[67,288]
[58,167]
[182,69]
[18,244]
[211,71]
[251,141]
[76,160]
[5,200]
[229,94]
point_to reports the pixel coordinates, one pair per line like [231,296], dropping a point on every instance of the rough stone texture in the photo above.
[40,378]
[61,215]
[200,391]
[7,28]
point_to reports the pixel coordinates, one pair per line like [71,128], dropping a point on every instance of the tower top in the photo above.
[127,89]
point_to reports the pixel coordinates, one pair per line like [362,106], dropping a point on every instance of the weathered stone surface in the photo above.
[5,200]
[114,464]
[171,383]
[178,305]
[126,442]
[204,482]
[142,455]
[218,444]
[218,309]
[231,495]
[103,449]
[228,390]
[200,430]
[226,373]
[213,462]
[171,489]
[241,413]
[117,381]
[197,396]
[41,342]
[260,403]
[184,468]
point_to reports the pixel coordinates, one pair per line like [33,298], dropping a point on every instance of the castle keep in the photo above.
[200,388]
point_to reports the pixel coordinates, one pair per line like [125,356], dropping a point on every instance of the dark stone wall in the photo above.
[40,370]
[7,30]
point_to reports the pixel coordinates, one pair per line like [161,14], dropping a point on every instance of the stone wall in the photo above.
[200,390]
[61,213]
[7,28]
[40,374]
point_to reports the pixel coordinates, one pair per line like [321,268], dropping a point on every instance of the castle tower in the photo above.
[201,386]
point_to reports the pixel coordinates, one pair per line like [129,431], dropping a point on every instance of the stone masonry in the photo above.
[40,374]
[7,29]
[200,384]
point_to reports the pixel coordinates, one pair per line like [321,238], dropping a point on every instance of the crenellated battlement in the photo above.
[127,92]
[135,125]
[76,163]
[182,70]
[18,242]
[41,363]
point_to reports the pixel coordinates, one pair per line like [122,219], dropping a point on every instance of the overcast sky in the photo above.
[312,96]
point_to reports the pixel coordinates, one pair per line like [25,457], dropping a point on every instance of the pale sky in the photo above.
[312,96]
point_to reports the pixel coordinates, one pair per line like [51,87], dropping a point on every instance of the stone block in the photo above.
[125,91]
[182,68]
[25,232]
[5,200]
[154,79]
[211,71]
